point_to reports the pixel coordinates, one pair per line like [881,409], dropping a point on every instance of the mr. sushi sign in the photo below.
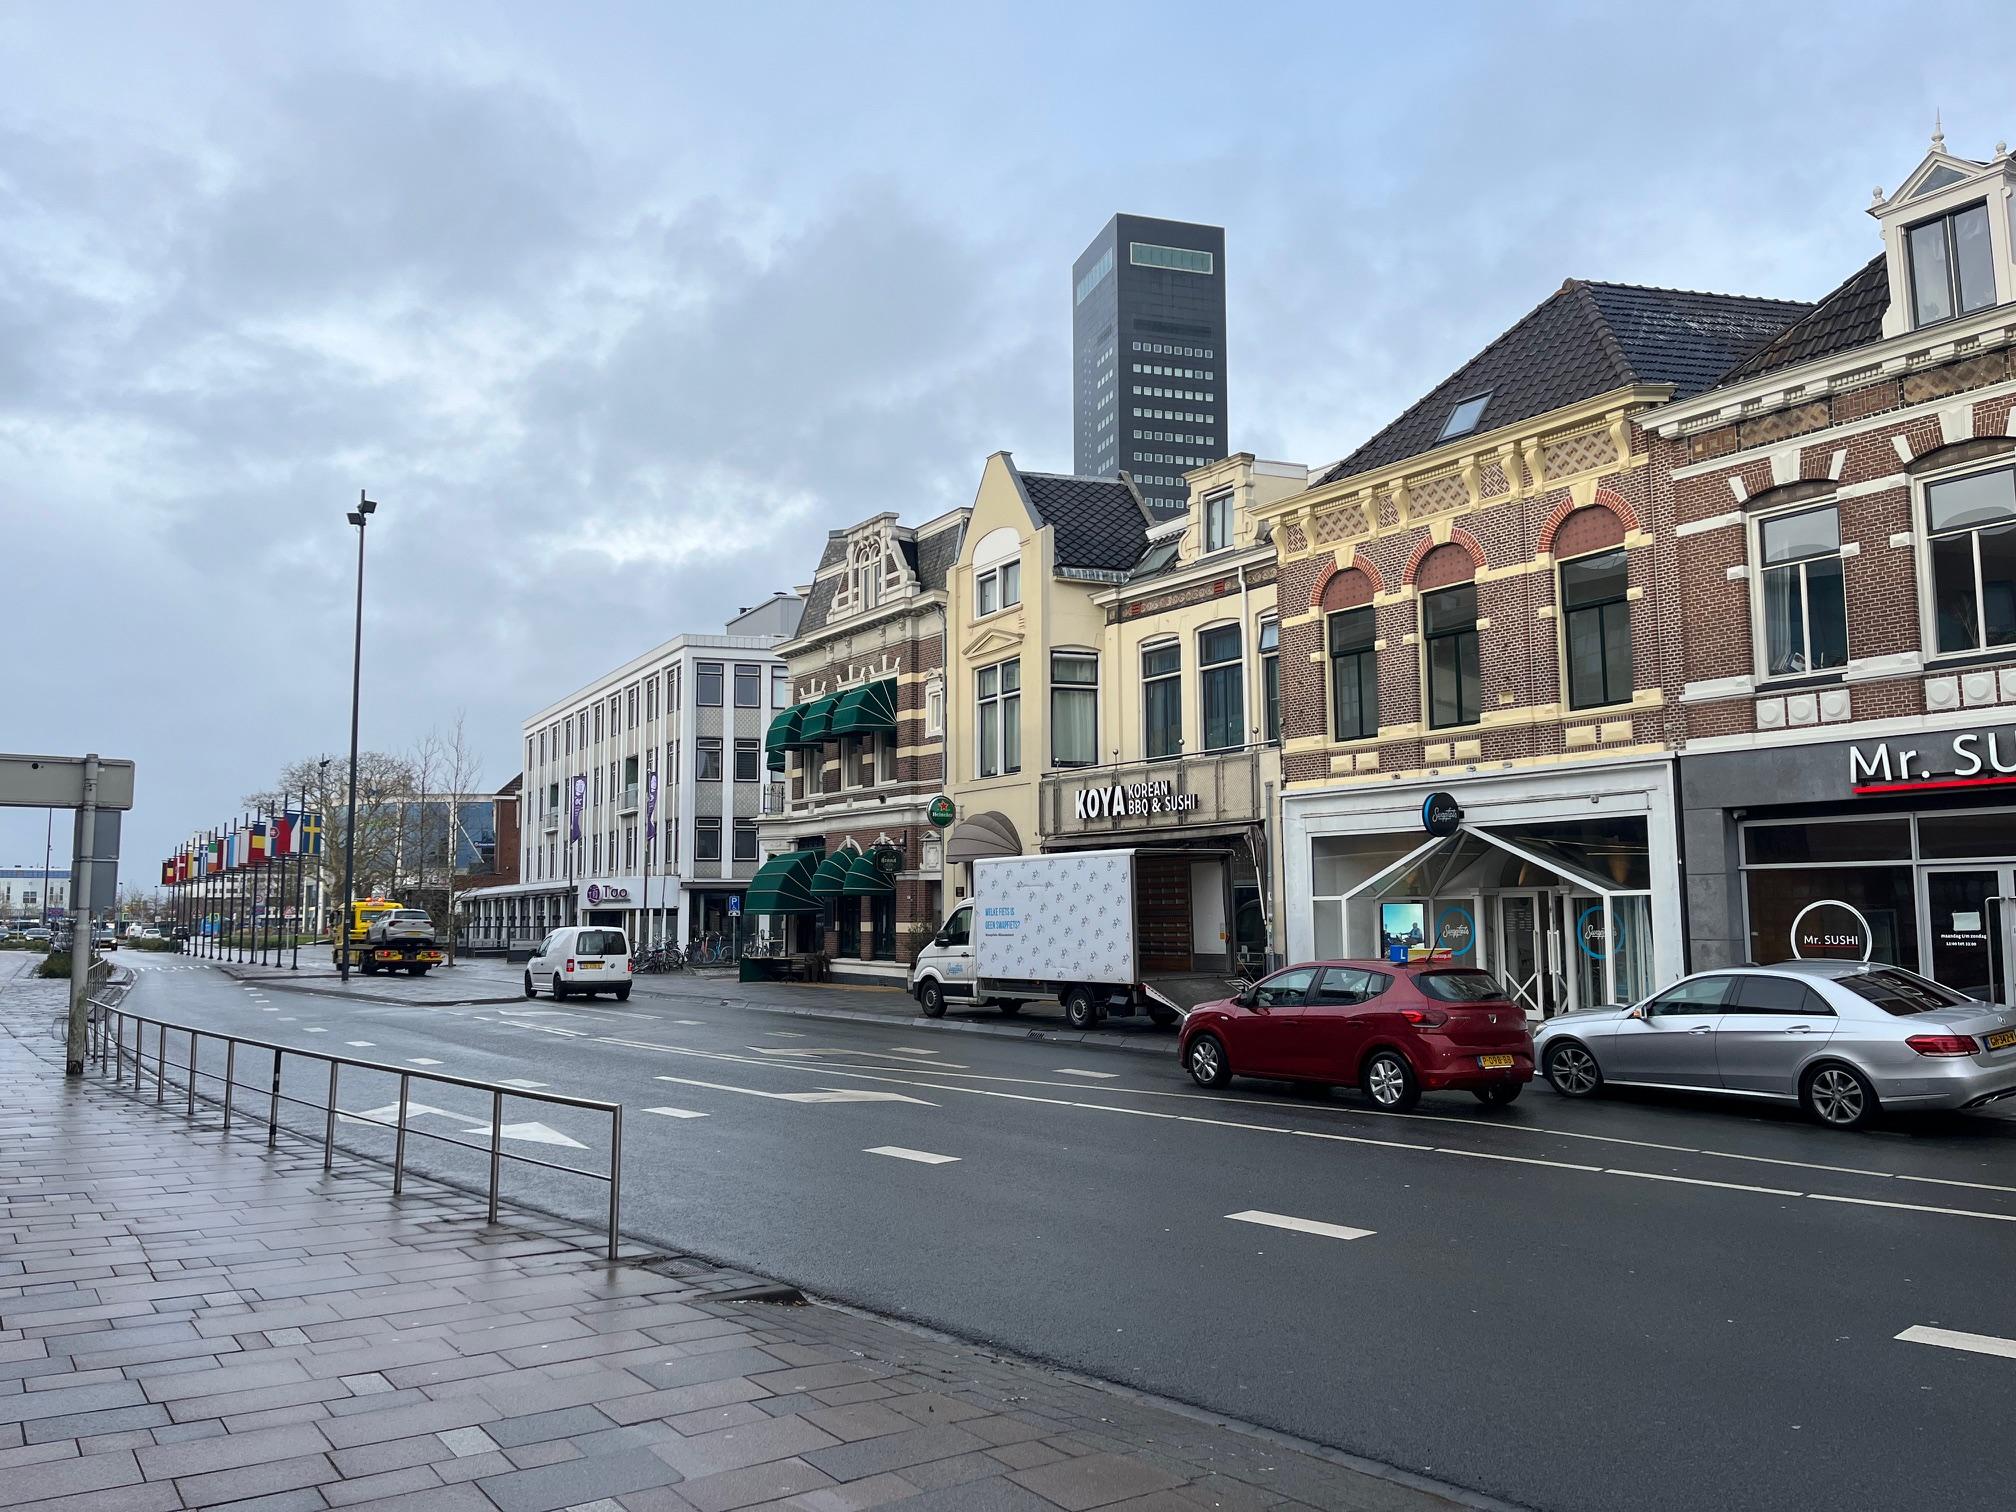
[1134,800]
[1934,763]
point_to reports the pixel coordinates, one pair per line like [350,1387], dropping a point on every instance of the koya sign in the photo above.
[1971,758]
[1134,800]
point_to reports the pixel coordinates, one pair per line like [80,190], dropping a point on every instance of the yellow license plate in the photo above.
[1495,1062]
[2002,1039]
[591,965]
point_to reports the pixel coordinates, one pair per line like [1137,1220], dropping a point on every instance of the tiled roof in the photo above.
[937,552]
[1851,316]
[818,604]
[835,552]
[1098,523]
[1584,340]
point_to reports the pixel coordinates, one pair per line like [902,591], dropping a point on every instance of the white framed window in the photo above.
[1221,679]
[1596,628]
[998,697]
[780,688]
[1162,699]
[1952,265]
[1218,521]
[1970,567]
[998,588]
[1801,609]
[934,707]
[1074,708]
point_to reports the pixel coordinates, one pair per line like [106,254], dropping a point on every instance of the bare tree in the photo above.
[384,784]
[461,772]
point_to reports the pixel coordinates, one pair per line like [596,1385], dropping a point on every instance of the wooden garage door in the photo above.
[1164,887]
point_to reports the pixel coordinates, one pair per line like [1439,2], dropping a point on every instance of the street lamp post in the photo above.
[365,508]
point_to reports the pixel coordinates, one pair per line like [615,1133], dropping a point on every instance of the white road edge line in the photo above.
[1951,1338]
[922,1157]
[1726,1186]
[1559,1165]
[1300,1225]
[1914,1207]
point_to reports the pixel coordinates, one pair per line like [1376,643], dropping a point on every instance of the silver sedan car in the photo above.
[1841,1038]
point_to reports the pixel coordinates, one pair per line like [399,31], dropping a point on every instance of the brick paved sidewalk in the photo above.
[187,1324]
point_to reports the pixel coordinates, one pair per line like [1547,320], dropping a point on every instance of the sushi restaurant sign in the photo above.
[1933,763]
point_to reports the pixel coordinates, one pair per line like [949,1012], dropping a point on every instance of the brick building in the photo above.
[1481,656]
[1845,524]
[853,864]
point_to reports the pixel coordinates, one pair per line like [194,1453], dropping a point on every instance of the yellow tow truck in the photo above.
[388,936]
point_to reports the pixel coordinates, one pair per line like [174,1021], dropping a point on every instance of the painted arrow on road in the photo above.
[390,1113]
[531,1133]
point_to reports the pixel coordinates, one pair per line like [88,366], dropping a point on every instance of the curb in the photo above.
[1048,1036]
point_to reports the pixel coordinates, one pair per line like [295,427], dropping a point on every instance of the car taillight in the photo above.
[1425,1018]
[570,963]
[626,963]
[1943,1044]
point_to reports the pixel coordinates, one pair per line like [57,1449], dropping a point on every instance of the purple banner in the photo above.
[580,798]
[650,805]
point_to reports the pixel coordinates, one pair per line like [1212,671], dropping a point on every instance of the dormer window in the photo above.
[1464,418]
[1218,521]
[1952,265]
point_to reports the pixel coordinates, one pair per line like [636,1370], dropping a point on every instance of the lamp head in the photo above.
[364,505]
[355,518]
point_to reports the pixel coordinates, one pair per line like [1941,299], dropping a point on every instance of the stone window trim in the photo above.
[1460,544]
[1603,498]
[1358,563]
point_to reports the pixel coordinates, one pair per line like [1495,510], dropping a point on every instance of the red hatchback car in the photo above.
[1397,1030]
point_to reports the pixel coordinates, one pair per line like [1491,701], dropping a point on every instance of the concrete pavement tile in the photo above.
[716,1365]
[861,1421]
[979,1496]
[168,1461]
[384,1483]
[86,1424]
[404,1422]
[855,1496]
[1154,1501]
[1005,1428]
[564,1485]
[930,1407]
[474,1467]
[547,1452]
[770,1481]
[795,1402]
[653,1499]
[58,1402]
[255,1480]
[634,1436]
[1028,1455]
[182,1433]
[36,1454]
[390,1454]
[733,1415]
[464,1442]
[682,1399]
[437,1499]
[866,1391]
[222,1380]
[734,1448]
[956,1471]
[895,1451]
[538,1426]
[306,1499]
[813,1377]
[1094,1480]
[142,1496]
[275,1417]
[67,1477]
[231,1403]
[517,1394]
[1221,1493]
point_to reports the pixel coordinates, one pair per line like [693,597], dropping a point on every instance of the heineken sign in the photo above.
[942,811]
[1133,800]
[1970,758]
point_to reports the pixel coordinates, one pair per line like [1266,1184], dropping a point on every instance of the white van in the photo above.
[584,959]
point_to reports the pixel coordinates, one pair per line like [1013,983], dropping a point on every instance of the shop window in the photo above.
[1805,843]
[1074,708]
[1449,626]
[1883,895]
[1162,700]
[1971,521]
[1948,837]
[1354,674]
[1270,680]
[998,694]
[1596,617]
[748,761]
[1221,683]
[707,839]
[1803,602]
[1952,265]
[707,684]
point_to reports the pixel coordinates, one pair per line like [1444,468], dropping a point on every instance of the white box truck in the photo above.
[1063,926]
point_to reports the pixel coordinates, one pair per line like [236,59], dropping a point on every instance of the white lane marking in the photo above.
[1095,1075]
[1559,1165]
[922,1157]
[420,1060]
[784,1034]
[286,1020]
[690,1023]
[913,1050]
[531,1133]
[826,1095]
[1914,1207]
[676,1112]
[1727,1186]
[360,1044]
[1953,1338]
[1300,1225]
[318,1031]
[806,1052]
[390,1113]
[521,1084]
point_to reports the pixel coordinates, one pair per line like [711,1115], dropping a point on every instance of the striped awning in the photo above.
[816,725]
[783,885]
[830,880]
[783,735]
[865,879]
[867,710]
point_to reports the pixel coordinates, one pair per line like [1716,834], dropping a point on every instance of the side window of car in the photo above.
[958,929]
[1777,994]
[1341,987]
[1285,988]
[1701,995]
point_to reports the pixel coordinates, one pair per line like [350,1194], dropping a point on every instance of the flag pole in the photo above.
[294,844]
[262,888]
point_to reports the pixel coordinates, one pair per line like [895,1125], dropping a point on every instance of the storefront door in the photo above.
[1521,951]
[1966,929]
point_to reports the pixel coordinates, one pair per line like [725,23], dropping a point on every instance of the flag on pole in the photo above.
[214,857]
[168,872]
[282,840]
[255,844]
[307,834]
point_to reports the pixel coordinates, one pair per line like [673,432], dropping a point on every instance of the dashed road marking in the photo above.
[675,1112]
[520,1083]
[317,1031]
[922,1157]
[1095,1075]
[360,1044]
[1953,1338]
[1300,1225]
[421,1060]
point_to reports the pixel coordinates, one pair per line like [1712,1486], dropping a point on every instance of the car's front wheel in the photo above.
[931,999]
[1390,1082]
[1839,1096]
[530,990]
[1207,1063]
[1499,1094]
[1572,1070]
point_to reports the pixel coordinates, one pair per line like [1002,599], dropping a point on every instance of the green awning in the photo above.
[831,877]
[783,735]
[867,710]
[865,879]
[817,724]
[783,885]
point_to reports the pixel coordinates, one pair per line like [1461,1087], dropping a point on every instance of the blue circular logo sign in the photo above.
[1441,814]
[1589,932]
[1455,931]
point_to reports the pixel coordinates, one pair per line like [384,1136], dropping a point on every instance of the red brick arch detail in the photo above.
[1359,562]
[1458,537]
[1606,498]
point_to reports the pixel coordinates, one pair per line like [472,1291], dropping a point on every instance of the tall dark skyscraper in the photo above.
[1148,353]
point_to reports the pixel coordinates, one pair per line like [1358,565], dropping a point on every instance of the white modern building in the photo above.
[30,895]
[687,720]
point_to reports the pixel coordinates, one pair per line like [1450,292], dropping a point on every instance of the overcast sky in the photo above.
[616,309]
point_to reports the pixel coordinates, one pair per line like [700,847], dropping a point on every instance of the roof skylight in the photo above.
[1464,418]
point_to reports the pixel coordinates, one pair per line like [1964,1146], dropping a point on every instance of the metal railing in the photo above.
[113,1025]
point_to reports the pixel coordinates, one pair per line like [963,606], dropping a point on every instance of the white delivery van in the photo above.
[1063,926]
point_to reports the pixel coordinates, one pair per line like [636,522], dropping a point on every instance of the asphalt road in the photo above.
[1653,1303]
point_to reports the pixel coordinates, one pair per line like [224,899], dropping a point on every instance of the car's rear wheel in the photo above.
[1390,1082]
[1081,1009]
[1008,1006]
[931,999]
[623,993]
[1206,1061]
[559,992]
[1839,1096]
[1572,1070]
[1498,1094]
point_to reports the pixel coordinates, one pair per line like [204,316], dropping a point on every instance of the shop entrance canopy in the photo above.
[1493,857]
